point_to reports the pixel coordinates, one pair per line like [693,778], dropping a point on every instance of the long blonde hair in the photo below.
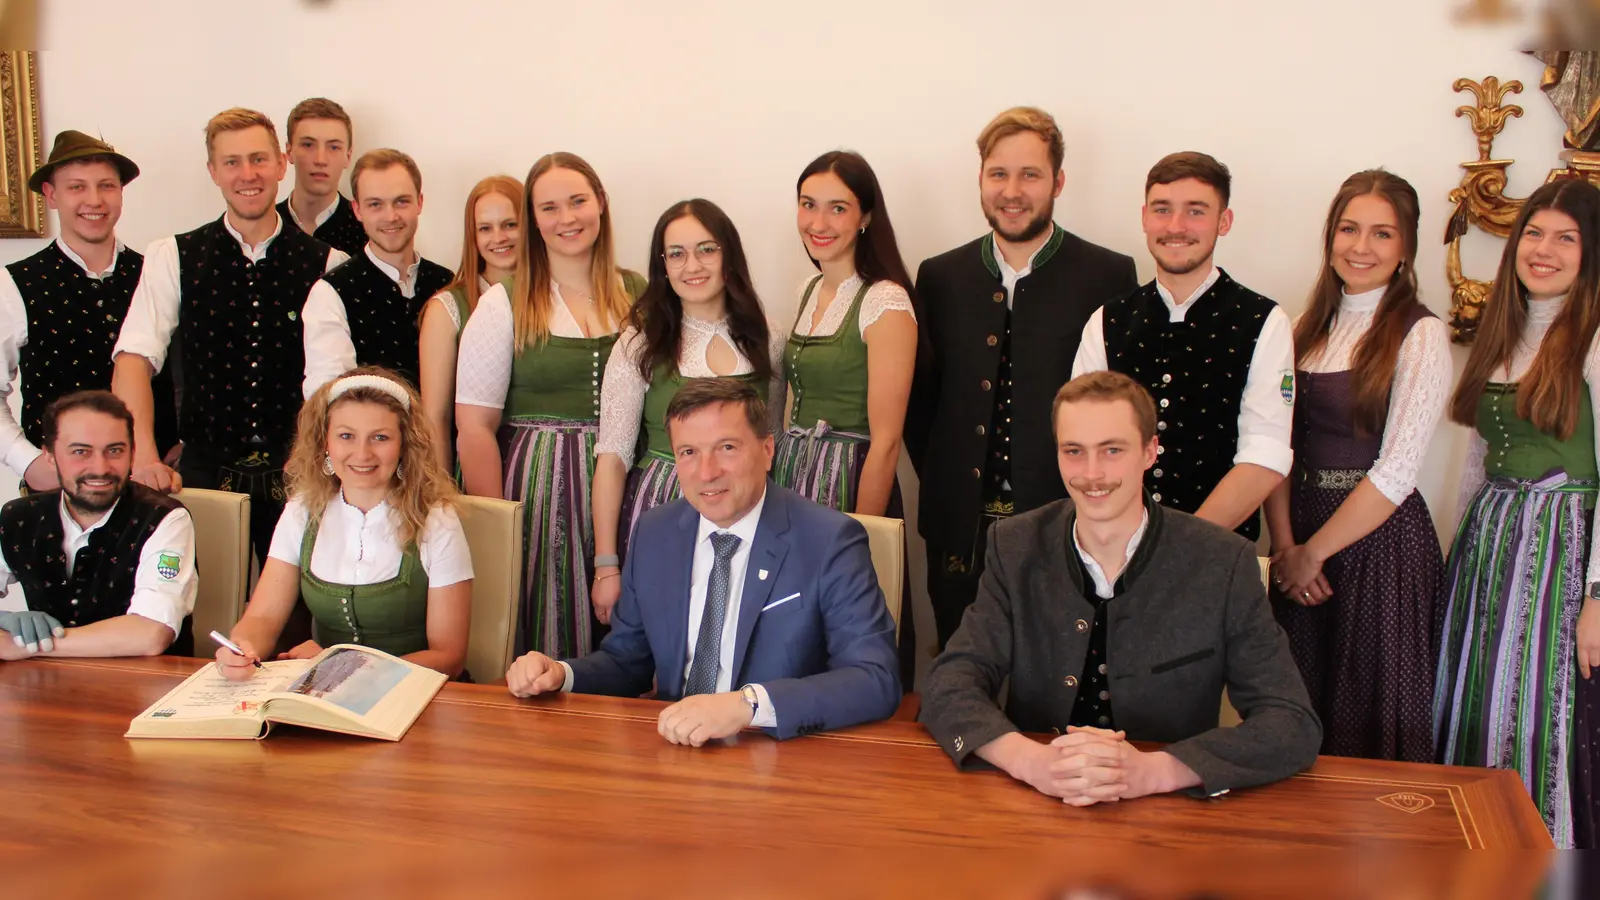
[424,485]
[531,300]
[472,264]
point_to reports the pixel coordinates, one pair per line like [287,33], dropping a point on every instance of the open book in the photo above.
[345,688]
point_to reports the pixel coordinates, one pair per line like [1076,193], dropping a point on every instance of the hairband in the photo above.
[376,382]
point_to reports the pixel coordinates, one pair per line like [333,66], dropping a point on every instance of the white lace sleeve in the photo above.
[882,297]
[622,398]
[1417,399]
[448,301]
[483,362]
[1591,375]
[1473,474]
[778,388]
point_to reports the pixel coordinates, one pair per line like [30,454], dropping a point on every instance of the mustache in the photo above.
[1087,486]
[112,477]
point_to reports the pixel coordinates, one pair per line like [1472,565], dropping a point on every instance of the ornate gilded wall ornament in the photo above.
[21,210]
[1571,81]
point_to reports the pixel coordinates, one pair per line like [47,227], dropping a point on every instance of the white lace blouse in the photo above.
[882,297]
[488,346]
[622,391]
[1540,314]
[1417,396]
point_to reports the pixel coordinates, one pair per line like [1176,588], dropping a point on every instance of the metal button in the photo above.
[1157,473]
[1105,695]
[999,296]
[980,430]
[977,473]
[1165,403]
[1156,497]
[1161,426]
[1070,681]
[1160,450]
[985,384]
[1103,721]
[1102,668]
[1081,626]
[991,340]
[74,602]
[1166,379]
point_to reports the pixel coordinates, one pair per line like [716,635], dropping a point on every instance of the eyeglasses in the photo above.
[706,252]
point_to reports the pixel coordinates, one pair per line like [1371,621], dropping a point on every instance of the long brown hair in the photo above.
[659,313]
[472,264]
[1549,394]
[424,483]
[530,291]
[1372,364]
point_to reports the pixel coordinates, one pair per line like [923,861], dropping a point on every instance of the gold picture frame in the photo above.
[21,210]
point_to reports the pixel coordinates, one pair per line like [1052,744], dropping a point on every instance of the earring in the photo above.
[327,464]
[400,472]
[863,229]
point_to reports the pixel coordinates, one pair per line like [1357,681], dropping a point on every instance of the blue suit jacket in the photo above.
[826,657]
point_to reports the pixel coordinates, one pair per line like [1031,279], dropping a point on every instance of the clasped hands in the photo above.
[1089,765]
[691,721]
[1298,574]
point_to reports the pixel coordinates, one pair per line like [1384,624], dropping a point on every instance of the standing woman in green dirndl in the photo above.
[699,318]
[488,256]
[850,355]
[1517,685]
[369,536]
[528,393]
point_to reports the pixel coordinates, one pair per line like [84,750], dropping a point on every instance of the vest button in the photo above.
[991,340]
[999,296]
[977,473]
[1080,627]
[1070,681]
[985,384]
[1156,497]
[1161,426]
[980,431]
[1165,403]
[1157,473]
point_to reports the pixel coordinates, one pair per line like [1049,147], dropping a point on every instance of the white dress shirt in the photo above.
[1423,379]
[356,548]
[330,350]
[1009,276]
[153,313]
[1266,422]
[699,580]
[1104,587]
[323,216]
[16,451]
[155,596]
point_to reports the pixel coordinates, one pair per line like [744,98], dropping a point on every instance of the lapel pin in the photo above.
[761,575]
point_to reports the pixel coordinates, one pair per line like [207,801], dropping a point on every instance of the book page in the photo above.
[377,694]
[208,695]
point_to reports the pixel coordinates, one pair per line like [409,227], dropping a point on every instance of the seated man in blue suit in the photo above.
[748,604]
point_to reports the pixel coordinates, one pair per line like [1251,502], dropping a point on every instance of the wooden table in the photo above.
[566,774]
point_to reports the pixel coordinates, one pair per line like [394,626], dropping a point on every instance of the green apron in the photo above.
[391,616]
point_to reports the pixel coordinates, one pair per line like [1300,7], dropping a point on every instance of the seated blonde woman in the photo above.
[369,537]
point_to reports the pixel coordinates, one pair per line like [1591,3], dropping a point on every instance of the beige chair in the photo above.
[494,533]
[1230,716]
[887,540]
[222,561]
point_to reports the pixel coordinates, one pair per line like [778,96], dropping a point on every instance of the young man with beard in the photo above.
[106,565]
[230,294]
[61,308]
[365,312]
[1117,620]
[1000,322]
[1217,356]
[319,137]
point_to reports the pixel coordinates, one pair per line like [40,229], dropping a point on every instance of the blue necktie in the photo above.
[708,646]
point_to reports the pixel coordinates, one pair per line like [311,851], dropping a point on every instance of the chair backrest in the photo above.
[494,533]
[1230,716]
[222,560]
[887,540]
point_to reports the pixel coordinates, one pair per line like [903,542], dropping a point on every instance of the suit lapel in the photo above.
[767,554]
[676,599]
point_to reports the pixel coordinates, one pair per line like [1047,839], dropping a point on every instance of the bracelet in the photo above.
[608,575]
[609,559]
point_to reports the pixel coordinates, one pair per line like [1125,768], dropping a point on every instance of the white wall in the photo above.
[729,100]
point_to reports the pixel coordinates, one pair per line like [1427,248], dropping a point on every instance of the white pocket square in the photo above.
[779,602]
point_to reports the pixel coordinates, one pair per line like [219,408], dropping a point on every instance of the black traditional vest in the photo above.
[73,325]
[103,574]
[243,343]
[383,321]
[1196,370]
[342,230]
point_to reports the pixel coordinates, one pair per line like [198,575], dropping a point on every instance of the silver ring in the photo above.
[1305,595]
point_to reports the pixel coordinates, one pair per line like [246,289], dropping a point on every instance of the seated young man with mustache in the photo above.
[107,565]
[1119,620]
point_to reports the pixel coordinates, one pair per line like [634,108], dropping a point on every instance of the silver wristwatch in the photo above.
[752,698]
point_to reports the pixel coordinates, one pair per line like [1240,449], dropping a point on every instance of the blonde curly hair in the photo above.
[425,483]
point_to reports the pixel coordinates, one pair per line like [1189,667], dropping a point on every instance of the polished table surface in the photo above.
[483,767]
